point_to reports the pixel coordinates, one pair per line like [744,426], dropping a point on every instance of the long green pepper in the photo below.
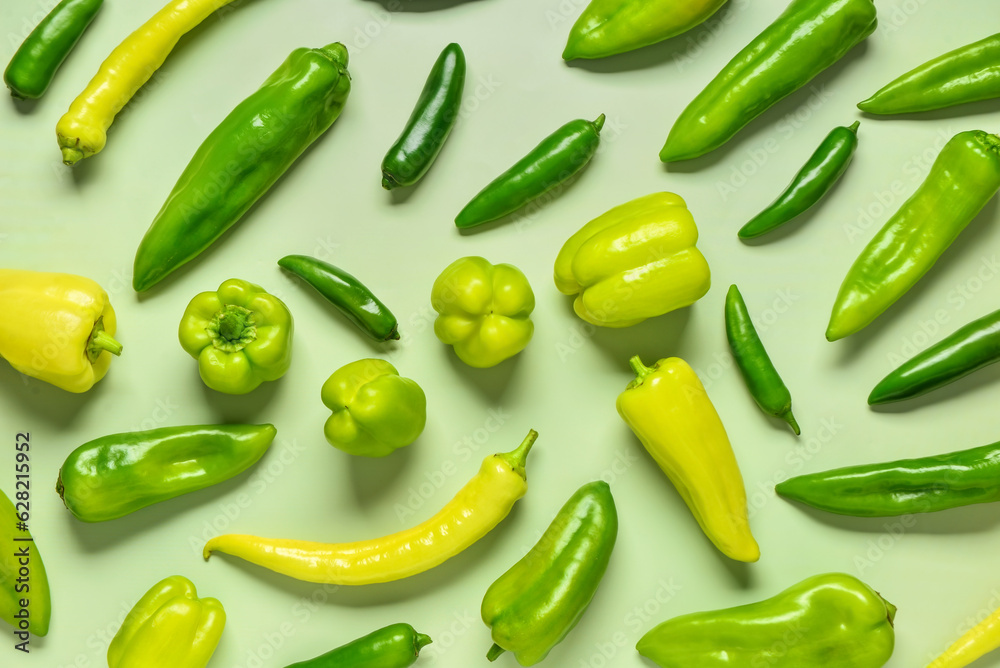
[395,646]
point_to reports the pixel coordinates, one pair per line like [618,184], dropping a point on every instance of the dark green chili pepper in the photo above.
[762,379]
[430,123]
[823,169]
[967,74]
[532,606]
[115,475]
[902,487]
[347,293]
[560,155]
[395,646]
[35,63]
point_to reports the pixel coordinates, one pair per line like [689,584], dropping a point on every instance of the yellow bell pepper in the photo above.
[56,327]
[634,262]
[669,411]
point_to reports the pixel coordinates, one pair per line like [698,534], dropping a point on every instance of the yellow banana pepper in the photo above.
[978,641]
[669,411]
[56,327]
[634,262]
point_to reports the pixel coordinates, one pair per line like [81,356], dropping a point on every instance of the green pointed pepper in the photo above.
[16,547]
[395,646]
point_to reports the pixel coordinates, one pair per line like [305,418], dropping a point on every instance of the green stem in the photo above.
[853,127]
[517,457]
[599,122]
[790,419]
[495,652]
[640,369]
[890,611]
[102,341]
[232,328]
[422,641]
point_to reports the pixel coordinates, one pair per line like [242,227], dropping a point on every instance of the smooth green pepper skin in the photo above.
[967,74]
[903,487]
[532,606]
[430,123]
[243,157]
[13,588]
[42,53]
[963,178]
[810,36]
[115,475]
[395,646]
[837,621]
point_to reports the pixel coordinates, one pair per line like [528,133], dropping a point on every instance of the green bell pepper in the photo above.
[16,588]
[375,410]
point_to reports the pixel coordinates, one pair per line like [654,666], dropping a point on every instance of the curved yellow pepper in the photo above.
[634,262]
[83,130]
[978,641]
[56,327]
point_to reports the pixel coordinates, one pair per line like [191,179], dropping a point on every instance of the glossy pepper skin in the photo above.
[636,261]
[904,487]
[478,507]
[57,327]
[240,335]
[532,606]
[115,475]
[432,120]
[609,27]
[963,178]
[170,627]
[395,646]
[17,545]
[808,37]
[555,160]
[967,74]
[483,310]
[978,641]
[243,157]
[837,621]
[375,410]
[35,63]
[668,410]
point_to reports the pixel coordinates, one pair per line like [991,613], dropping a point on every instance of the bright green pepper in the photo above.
[240,335]
[832,620]
[395,646]
[375,410]
[17,545]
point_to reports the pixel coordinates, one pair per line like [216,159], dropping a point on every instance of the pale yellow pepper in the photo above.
[978,641]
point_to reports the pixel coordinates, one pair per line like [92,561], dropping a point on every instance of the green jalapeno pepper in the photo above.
[18,550]
[823,169]
[243,157]
[963,178]
[810,36]
[430,123]
[395,646]
[115,475]
[532,606]
[557,158]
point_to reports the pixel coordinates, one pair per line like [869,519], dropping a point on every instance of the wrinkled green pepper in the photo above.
[17,547]
[395,646]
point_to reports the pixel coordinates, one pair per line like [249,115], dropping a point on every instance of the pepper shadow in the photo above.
[975,381]
[978,518]
[979,108]
[371,476]
[238,408]
[490,383]
[403,6]
[38,400]
[25,107]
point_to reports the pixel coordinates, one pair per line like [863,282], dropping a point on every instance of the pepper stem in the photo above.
[790,419]
[71,155]
[890,611]
[516,458]
[422,641]
[232,328]
[100,341]
[853,127]
[640,369]
[495,652]
[599,122]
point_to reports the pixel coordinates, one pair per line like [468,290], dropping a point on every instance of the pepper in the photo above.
[762,379]
[347,293]
[609,27]
[395,646]
[83,130]
[832,620]
[375,411]
[18,549]
[35,63]
[554,161]
[636,261]
[483,310]
[963,178]
[823,169]
[57,327]
[978,641]
[431,122]
[968,74]
[170,627]
[240,335]
[668,409]
[904,487]
[476,509]
[243,157]
[808,37]
[534,605]
[112,476]
[968,349]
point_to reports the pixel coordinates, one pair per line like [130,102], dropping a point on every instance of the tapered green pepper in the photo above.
[395,646]
[25,601]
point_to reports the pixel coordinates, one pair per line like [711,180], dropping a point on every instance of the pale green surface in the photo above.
[940,571]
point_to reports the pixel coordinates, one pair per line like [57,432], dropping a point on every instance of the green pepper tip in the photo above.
[890,611]
[71,155]
[853,127]
[336,52]
[599,122]
[387,182]
[495,652]
[422,641]
[790,419]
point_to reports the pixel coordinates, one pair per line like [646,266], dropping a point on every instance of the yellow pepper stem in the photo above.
[100,341]
[519,455]
[641,370]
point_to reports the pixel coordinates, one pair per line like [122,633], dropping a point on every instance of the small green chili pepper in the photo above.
[541,598]
[395,646]
[347,293]
[762,379]
[430,123]
[557,158]
[823,169]
[42,53]
[115,475]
